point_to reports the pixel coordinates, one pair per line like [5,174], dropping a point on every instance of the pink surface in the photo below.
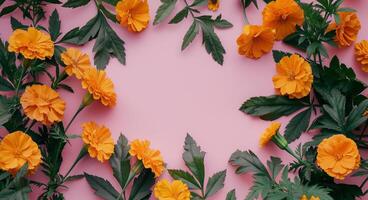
[164,93]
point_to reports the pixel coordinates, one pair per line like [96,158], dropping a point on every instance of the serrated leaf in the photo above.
[180,16]
[190,35]
[142,185]
[5,113]
[275,166]
[54,25]
[271,107]
[75,3]
[297,125]
[247,161]
[102,187]
[71,37]
[215,183]
[164,10]
[186,177]
[212,42]
[90,30]
[16,24]
[8,9]
[120,161]
[278,55]
[194,159]
[231,195]
[356,116]
[222,23]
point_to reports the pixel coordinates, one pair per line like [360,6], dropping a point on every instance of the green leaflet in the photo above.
[164,10]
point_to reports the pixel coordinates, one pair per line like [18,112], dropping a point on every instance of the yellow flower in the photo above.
[268,134]
[17,149]
[43,104]
[283,16]
[294,77]
[99,141]
[255,41]
[76,62]
[361,54]
[99,86]
[304,197]
[338,156]
[31,43]
[177,190]
[151,159]
[213,4]
[133,14]
[347,30]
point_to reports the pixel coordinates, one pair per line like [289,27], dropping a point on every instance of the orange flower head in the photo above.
[304,197]
[98,140]
[338,156]
[133,14]
[151,159]
[213,4]
[76,62]
[43,104]
[361,54]
[283,16]
[31,43]
[177,190]
[99,86]
[347,30]
[17,149]
[255,41]
[293,77]
[268,134]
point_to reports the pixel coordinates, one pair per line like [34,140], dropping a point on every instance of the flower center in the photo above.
[339,156]
[284,16]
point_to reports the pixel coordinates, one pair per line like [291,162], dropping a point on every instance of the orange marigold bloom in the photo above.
[31,43]
[43,104]
[283,16]
[76,62]
[338,156]
[99,141]
[294,77]
[304,197]
[268,134]
[347,30]
[255,41]
[151,159]
[213,4]
[361,54]
[17,149]
[164,190]
[133,14]
[99,86]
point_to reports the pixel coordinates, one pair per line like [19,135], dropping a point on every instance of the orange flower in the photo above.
[99,141]
[32,44]
[76,62]
[150,158]
[294,77]
[99,86]
[361,54]
[338,156]
[17,149]
[133,14]
[268,134]
[347,30]
[304,197]
[213,4]
[177,190]
[43,104]
[255,41]
[283,16]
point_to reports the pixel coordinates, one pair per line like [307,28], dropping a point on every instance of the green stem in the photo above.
[32,124]
[20,79]
[82,153]
[363,131]
[81,107]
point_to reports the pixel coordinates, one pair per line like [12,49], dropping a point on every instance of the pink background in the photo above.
[164,93]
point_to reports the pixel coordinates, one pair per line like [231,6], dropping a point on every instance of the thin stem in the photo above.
[20,80]
[81,107]
[32,124]
[82,153]
[190,10]
[364,182]
[245,16]
[363,131]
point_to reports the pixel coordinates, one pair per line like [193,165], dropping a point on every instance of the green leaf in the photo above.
[356,117]
[212,42]
[190,35]
[194,159]
[215,183]
[297,125]
[5,113]
[186,177]
[180,16]
[71,37]
[8,9]
[75,3]
[164,10]
[278,55]
[18,188]
[275,166]
[90,30]
[231,195]
[222,23]
[247,161]
[142,185]
[102,187]
[16,24]
[120,161]
[271,107]
[54,25]
[199,3]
